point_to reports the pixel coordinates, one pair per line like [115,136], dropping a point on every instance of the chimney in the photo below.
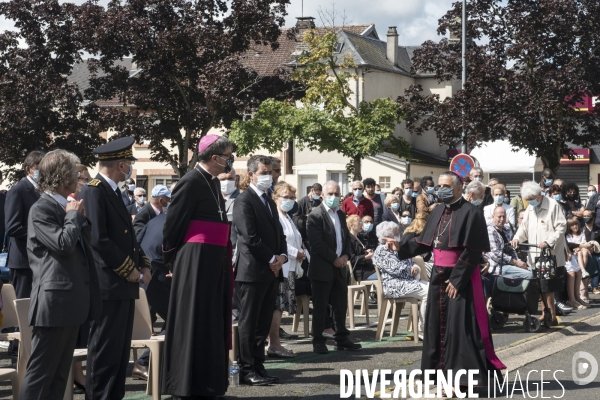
[305,23]
[392,45]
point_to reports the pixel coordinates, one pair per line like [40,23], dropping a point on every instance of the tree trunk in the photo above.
[551,156]
[357,168]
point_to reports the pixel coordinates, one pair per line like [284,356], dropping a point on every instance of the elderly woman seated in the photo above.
[399,278]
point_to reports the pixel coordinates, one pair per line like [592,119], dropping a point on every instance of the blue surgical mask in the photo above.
[557,197]
[408,192]
[506,200]
[287,204]
[498,199]
[368,227]
[332,201]
[128,175]
[446,194]
[430,189]
[478,179]
[477,202]
[406,220]
[165,208]
[316,197]
[548,182]
[36,175]
[415,194]
[534,203]
[395,206]
[378,192]
[358,193]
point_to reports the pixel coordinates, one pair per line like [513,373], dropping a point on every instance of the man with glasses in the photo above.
[139,197]
[120,264]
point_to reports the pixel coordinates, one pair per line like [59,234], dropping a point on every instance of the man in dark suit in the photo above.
[19,200]
[313,199]
[262,250]
[120,264]
[159,202]
[139,195]
[230,192]
[65,285]
[127,192]
[330,250]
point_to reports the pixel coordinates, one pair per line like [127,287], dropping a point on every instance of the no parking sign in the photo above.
[462,164]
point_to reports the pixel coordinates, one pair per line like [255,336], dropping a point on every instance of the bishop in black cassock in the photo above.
[197,249]
[456,334]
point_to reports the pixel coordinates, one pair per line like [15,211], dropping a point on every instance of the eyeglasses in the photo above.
[288,197]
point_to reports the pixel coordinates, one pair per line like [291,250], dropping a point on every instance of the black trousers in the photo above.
[257,301]
[334,292]
[21,279]
[48,368]
[108,350]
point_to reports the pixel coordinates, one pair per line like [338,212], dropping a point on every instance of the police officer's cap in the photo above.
[118,149]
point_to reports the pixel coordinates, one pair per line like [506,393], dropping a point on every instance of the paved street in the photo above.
[316,377]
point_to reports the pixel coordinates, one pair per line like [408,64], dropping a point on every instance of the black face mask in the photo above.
[228,164]
[587,219]
[570,197]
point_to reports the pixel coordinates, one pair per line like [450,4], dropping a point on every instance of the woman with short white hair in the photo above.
[474,192]
[399,278]
[544,224]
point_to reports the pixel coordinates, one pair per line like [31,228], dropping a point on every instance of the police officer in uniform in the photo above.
[121,265]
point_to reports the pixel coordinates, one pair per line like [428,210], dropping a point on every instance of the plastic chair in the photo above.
[11,374]
[9,311]
[355,290]
[142,338]
[369,284]
[396,305]
[302,307]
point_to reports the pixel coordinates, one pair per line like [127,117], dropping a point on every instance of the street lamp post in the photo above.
[464,69]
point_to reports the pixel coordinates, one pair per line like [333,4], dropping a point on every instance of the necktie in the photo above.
[264,196]
[118,192]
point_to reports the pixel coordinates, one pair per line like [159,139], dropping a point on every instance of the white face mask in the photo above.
[141,200]
[227,187]
[131,188]
[263,182]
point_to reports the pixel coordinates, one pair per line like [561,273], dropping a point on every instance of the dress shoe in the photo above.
[287,336]
[265,374]
[254,379]
[139,372]
[320,348]
[347,345]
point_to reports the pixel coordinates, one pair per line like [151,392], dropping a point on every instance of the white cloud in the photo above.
[416,20]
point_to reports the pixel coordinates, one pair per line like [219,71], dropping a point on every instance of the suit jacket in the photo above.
[233,235]
[142,217]
[304,205]
[132,209]
[260,237]
[65,285]
[19,200]
[114,244]
[126,200]
[388,215]
[321,235]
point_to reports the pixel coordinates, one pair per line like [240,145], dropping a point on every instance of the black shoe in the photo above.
[563,307]
[560,312]
[287,336]
[320,348]
[265,374]
[255,379]
[79,388]
[347,345]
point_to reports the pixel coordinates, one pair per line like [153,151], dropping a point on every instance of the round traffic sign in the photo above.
[462,164]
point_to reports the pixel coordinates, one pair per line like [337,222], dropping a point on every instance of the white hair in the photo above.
[359,182]
[386,230]
[530,190]
[139,190]
[475,187]
[331,183]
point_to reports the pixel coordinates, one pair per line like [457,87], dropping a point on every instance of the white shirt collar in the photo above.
[60,199]
[327,208]
[156,210]
[112,183]
[34,183]
[202,166]
[257,190]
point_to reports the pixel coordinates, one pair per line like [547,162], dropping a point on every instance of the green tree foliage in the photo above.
[538,60]
[326,120]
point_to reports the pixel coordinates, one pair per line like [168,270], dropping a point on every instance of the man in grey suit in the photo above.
[65,290]
[330,250]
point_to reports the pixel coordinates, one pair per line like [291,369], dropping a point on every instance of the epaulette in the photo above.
[94,182]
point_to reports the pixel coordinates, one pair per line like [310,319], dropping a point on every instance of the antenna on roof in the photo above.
[302,12]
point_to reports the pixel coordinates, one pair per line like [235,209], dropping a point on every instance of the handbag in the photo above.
[552,276]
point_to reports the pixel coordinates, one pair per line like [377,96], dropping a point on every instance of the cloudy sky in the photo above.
[416,20]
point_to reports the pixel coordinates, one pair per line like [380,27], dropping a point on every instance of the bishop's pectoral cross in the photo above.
[436,243]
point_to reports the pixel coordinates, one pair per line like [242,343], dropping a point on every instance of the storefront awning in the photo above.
[498,156]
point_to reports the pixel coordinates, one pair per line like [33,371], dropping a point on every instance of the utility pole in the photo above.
[464,69]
